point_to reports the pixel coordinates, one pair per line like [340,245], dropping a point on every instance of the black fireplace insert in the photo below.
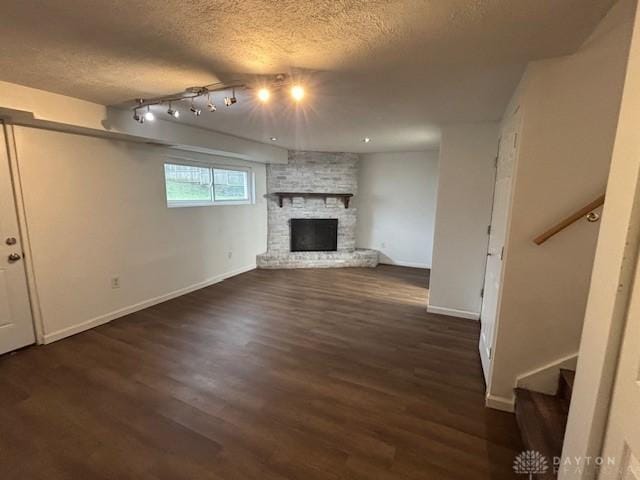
[314,234]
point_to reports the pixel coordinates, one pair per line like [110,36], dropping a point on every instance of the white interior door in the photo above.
[16,325]
[499,218]
[622,439]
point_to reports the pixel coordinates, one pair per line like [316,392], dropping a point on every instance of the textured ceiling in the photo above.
[390,70]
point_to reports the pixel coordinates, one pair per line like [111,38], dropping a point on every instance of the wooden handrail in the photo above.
[558,227]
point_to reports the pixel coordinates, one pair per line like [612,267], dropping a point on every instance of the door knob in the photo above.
[14,257]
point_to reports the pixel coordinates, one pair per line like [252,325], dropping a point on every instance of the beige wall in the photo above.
[96,208]
[463,212]
[612,278]
[570,107]
[396,206]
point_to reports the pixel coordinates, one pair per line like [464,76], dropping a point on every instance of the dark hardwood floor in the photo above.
[300,374]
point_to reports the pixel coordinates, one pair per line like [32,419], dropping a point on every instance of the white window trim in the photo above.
[251,184]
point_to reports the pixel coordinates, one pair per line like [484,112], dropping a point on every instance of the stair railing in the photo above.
[586,211]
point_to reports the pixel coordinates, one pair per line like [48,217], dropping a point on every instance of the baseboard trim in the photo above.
[106,318]
[501,403]
[400,263]
[452,312]
[544,379]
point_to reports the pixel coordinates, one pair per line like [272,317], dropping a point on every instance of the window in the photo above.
[195,185]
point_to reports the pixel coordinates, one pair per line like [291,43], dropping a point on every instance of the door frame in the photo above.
[611,281]
[23,230]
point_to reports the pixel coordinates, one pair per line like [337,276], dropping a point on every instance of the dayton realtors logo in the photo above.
[530,463]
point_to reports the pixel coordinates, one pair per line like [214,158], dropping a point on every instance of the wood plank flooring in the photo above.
[298,374]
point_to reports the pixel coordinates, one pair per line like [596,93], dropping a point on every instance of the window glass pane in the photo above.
[186,183]
[230,185]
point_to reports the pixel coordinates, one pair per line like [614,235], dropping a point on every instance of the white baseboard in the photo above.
[452,312]
[501,403]
[400,263]
[544,379]
[102,319]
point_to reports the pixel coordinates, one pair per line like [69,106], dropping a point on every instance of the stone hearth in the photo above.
[356,258]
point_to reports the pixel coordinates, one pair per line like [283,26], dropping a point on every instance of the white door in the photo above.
[621,453]
[499,218]
[16,325]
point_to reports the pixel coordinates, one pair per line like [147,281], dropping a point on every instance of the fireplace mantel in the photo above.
[344,196]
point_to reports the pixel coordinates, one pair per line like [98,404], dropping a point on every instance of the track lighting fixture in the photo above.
[148,115]
[172,112]
[142,108]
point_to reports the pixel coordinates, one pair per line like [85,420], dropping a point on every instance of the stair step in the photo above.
[542,420]
[565,386]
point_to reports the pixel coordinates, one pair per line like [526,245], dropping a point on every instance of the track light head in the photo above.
[172,112]
[210,105]
[148,115]
[137,117]
[228,101]
[297,92]
[264,94]
[195,110]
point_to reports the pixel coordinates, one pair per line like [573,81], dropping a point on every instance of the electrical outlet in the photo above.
[383,245]
[115,282]
[229,255]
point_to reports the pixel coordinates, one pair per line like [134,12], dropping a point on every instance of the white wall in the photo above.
[396,206]
[570,108]
[465,192]
[96,208]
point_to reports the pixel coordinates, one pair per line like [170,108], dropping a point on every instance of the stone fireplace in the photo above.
[313,186]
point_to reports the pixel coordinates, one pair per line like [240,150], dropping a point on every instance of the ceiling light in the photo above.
[297,92]
[228,101]
[137,117]
[172,112]
[148,115]
[366,139]
[264,94]
[210,105]
[273,139]
[195,110]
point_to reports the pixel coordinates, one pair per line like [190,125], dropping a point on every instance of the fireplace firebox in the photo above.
[314,234]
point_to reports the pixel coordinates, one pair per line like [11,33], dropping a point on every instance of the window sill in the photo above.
[207,204]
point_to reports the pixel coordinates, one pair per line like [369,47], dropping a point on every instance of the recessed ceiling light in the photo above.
[366,139]
[273,139]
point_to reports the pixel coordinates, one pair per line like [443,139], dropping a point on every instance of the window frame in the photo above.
[212,167]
